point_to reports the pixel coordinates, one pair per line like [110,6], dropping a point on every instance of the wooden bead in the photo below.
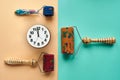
[86,40]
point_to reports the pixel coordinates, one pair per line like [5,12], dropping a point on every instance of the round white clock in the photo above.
[38,36]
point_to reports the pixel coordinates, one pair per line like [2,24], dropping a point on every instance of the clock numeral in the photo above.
[34,29]
[45,32]
[38,44]
[42,42]
[46,36]
[42,29]
[29,36]
[38,28]
[34,42]
[31,32]
[31,40]
[45,40]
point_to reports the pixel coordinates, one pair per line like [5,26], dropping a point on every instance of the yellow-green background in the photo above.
[96,19]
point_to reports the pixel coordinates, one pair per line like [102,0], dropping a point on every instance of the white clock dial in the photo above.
[38,36]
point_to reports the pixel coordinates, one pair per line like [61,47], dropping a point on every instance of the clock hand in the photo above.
[37,32]
[36,39]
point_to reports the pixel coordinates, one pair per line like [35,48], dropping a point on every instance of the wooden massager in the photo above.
[110,40]
[67,39]
[20,61]
[48,62]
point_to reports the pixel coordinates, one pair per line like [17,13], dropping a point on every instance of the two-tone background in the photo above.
[94,18]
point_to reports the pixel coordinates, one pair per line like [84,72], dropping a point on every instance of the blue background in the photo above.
[95,19]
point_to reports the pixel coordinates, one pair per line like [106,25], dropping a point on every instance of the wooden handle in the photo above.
[18,61]
[110,40]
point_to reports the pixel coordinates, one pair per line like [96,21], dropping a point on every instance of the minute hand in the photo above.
[37,32]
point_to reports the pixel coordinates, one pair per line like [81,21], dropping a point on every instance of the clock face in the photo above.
[38,36]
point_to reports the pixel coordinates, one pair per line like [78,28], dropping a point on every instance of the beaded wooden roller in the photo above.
[19,61]
[110,40]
